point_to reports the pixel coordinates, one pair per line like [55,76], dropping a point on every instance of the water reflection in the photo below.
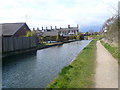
[39,69]
[19,57]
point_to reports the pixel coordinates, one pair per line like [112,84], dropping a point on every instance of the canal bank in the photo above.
[41,68]
[39,47]
[80,73]
[54,44]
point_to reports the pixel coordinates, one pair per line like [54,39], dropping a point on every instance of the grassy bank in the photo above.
[79,74]
[113,50]
[96,37]
[48,44]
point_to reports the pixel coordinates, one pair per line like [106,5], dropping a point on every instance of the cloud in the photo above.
[57,12]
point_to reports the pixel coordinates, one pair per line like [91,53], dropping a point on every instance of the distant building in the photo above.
[50,33]
[37,32]
[69,31]
[14,29]
[62,31]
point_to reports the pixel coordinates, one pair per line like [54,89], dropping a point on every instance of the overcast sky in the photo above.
[60,13]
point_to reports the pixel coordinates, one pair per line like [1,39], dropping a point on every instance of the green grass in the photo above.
[113,50]
[96,37]
[45,44]
[80,73]
[41,45]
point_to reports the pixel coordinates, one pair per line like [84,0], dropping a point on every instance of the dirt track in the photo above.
[106,69]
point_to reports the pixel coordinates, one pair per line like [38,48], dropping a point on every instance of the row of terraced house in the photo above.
[55,31]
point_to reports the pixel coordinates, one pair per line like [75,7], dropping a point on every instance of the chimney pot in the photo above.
[37,28]
[33,28]
[42,28]
[55,27]
[77,26]
[51,27]
[68,26]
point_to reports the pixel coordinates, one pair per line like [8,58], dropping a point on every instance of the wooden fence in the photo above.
[18,43]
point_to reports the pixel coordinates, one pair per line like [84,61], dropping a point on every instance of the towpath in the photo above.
[106,69]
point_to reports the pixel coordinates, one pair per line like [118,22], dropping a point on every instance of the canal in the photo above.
[38,69]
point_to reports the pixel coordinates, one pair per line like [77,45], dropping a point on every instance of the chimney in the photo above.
[68,26]
[55,27]
[42,28]
[37,28]
[51,27]
[77,26]
[33,28]
[46,28]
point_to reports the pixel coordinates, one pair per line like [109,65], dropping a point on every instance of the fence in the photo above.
[18,43]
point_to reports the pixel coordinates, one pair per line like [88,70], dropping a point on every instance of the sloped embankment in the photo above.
[111,36]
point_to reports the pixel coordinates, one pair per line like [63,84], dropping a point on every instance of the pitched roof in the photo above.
[73,29]
[11,28]
[50,33]
[63,29]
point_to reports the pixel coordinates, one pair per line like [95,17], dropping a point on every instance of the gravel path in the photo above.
[106,69]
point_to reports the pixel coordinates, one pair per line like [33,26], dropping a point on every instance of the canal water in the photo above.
[38,69]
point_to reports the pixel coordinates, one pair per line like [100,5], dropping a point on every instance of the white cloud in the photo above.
[57,12]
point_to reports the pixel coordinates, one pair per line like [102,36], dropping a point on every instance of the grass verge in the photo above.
[97,37]
[41,45]
[113,50]
[79,74]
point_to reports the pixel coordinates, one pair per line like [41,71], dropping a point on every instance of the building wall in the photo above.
[67,31]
